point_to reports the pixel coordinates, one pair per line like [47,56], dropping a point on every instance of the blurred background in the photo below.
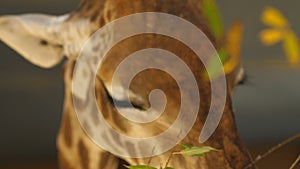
[267,107]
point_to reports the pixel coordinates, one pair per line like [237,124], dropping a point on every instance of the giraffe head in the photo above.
[45,40]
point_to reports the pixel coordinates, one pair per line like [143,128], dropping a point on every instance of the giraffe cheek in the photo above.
[83,155]
[67,130]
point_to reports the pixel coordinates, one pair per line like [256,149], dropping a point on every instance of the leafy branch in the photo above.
[187,150]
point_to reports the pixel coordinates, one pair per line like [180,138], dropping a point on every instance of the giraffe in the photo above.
[50,38]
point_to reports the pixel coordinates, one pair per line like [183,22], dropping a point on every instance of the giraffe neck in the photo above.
[75,149]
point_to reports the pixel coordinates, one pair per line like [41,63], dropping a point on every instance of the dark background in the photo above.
[267,108]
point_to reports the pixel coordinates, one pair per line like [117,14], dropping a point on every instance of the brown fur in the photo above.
[84,155]
[234,155]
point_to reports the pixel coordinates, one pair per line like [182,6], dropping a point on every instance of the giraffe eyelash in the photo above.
[120,103]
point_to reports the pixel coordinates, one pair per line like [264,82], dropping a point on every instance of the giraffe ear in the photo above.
[29,36]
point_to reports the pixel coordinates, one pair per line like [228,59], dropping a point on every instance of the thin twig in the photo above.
[150,159]
[273,149]
[168,160]
[295,163]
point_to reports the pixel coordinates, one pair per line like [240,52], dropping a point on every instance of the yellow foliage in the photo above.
[291,47]
[271,36]
[280,31]
[233,46]
[273,17]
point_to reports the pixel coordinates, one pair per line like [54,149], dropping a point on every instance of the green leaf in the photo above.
[214,65]
[185,146]
[169,168]
[211,12]
[196,151]
[140,167]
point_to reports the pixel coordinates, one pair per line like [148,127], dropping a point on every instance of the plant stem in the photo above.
[273,149]
[168,160]
[295,163]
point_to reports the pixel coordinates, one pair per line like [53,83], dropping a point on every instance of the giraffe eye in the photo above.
[123,103]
